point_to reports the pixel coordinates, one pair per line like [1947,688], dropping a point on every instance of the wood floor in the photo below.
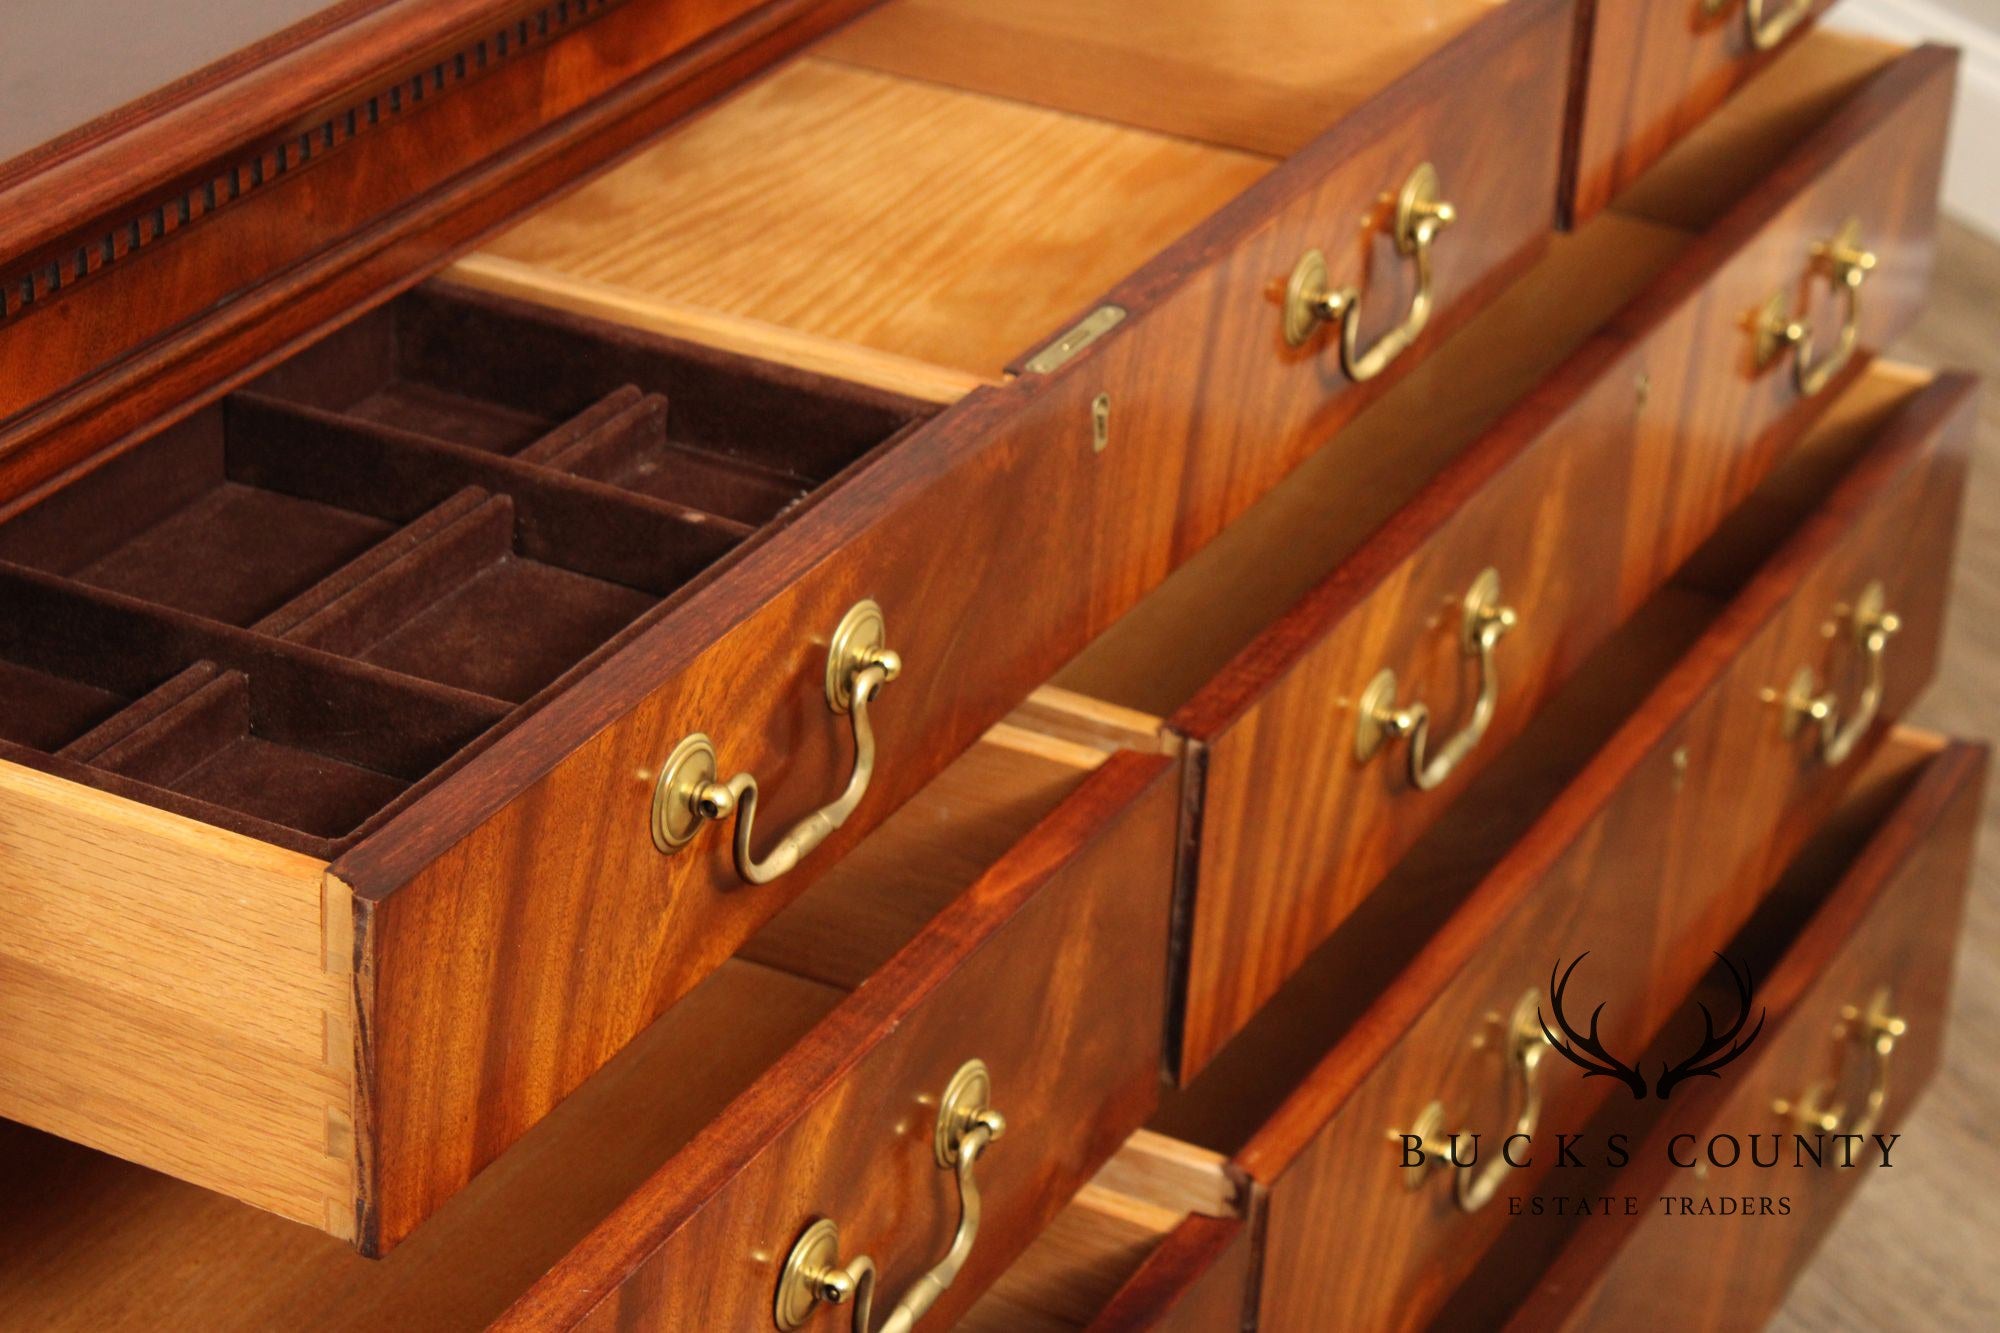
[1921,1250]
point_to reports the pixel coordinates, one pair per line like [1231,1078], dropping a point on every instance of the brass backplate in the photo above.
[1428,1126]
[1481,600]
[1074,339]
[1304,291]
[859,636]
[1413,202]
[688,769]
[815,1253]
[1772,324]
[1869,608]
[969,1093]
[1377,701]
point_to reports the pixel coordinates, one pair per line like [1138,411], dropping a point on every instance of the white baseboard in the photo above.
[1972,162]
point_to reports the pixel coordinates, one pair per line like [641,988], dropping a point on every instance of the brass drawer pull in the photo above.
[1309,301]
[1475,1185]
[1484,623]
[1767,27]
[813,1272]
[1879,1030]
[1843,260]
[687,795]
[1873,625]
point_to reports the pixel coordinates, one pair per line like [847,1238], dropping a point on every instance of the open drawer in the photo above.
[803,1080]
[361,720]
[1649,73]
[1591,429]
[1666,738]
[1157,1241]
[1639,822]
[781,1091]
[1852,959]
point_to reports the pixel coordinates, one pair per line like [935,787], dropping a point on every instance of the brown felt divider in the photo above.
[307,618]
[457,605]
[346,710]
[206,746]
[481,368]
[567,522]
[291,611]
[623,440]
[167,523]
[114,729]
[179,803]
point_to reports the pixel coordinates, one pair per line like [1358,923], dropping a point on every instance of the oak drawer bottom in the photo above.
[1158,1240]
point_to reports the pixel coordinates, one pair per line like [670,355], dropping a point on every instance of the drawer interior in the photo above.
[1064,1279]
[939,187]
[285,612]
[93,1242]
[1153,659]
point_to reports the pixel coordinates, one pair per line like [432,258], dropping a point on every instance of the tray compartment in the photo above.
[172,523]
[206,746]
[305,746]
[453,601]
[670,419]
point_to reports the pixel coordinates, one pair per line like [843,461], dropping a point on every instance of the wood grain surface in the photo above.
[1648,72]
[1702,838]
[895,213]
[829,1130]
[1294,831]
[178,995]
[1266,76]
[175,323]
[1199,1279]
[1891,921]
[96,1245]
[1888,1263]
[542,839]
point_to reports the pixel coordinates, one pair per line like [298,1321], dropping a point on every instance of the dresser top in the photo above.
[91,66]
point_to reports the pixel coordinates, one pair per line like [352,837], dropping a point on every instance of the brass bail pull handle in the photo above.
[1483,623]
[1806,707]
[1767,24]
[813,1272]
[1311,300]
[1848,265]
[688,795]
[1476,1184]
[1877,1029]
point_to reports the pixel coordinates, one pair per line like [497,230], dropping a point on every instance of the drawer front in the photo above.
[1209,367]
[1293,830]
[526,896]
[1887,936]
[1044,970]
[1197,1281]
[1650,72]
[1651,859]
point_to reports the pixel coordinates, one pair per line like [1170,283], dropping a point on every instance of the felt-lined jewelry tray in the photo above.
[284,613]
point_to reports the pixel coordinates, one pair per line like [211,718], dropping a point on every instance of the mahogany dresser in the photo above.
[792,664]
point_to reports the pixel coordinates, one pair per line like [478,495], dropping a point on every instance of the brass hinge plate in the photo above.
[1079,336]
